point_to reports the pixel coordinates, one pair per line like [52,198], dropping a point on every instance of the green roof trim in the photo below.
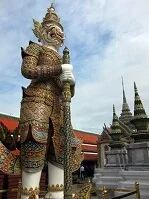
[9,116]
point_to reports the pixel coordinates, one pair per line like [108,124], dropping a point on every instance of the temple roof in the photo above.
[105,135]
[88,138]
[115,124]
[139,111]
[9,121]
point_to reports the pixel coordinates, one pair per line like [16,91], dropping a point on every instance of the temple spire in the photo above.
[115,123]
[113,110]
[139,111]
[126,115]
[116,132]
[140,121]
[124,97]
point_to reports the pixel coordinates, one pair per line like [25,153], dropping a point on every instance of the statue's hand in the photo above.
[67,75]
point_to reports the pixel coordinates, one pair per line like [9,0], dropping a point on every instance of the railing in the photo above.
[16,190]
[130,192]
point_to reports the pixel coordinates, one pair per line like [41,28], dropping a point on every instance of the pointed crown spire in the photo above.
[139,111]
[51,17]
[52,5]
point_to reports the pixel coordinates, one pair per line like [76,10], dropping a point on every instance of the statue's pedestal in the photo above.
[138,156]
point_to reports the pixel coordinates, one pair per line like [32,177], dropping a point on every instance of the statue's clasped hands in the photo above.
[67,75]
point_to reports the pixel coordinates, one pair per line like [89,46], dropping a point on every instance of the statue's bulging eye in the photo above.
[52,34]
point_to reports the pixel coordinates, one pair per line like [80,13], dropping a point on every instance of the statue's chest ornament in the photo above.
[50,56]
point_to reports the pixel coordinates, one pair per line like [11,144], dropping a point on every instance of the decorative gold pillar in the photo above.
[67,133]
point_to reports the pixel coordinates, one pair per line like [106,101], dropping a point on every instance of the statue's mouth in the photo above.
[55,34]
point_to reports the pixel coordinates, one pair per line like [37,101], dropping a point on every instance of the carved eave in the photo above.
[125,129]
[105,135]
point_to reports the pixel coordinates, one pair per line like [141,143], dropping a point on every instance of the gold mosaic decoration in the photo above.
[9,163]
[43,99]
[56,188]
[40,62]
[84,192]
[32,193]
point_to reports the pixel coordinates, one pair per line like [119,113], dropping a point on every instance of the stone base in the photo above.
[138,156]
[116,158]
[108,177]
[97,174]
[137,169]
[129,179]
[118,178]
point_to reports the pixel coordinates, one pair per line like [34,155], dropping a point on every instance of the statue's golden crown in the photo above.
[50,18]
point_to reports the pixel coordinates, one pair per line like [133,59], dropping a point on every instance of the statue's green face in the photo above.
[52,35]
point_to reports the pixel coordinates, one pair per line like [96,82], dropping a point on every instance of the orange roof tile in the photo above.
[88,138]
[10,122]
[90,156]
[89,148]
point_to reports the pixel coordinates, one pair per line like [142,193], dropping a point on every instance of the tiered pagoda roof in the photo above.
[139,111]
[140,121]
[126,114]
[133,128]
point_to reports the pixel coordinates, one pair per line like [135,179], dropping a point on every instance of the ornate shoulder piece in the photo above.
[37,29]
[32,50]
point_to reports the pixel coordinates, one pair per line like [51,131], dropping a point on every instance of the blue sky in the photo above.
[107,39]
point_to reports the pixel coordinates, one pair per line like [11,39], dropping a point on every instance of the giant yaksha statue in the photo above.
[41,117]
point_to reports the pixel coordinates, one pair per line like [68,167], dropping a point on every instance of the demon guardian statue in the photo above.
[41,116]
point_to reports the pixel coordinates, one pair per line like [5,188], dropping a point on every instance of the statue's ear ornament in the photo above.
[37,29]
